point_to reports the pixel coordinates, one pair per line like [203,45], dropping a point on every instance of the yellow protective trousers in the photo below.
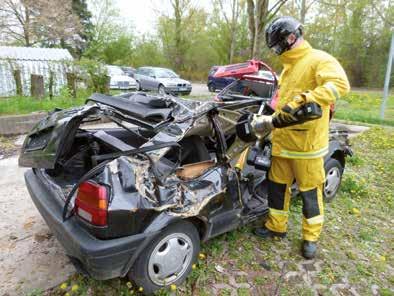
[309,175]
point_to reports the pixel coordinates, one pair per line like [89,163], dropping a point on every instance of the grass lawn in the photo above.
[25,105]
[355,250]
[364,106]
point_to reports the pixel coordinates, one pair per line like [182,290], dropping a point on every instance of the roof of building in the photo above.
[34,54]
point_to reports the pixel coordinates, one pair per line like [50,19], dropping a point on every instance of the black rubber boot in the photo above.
[309,249]
[264,232]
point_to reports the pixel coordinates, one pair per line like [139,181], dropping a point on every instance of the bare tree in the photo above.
[180,9]
[231,17]
[55,22]
[304,6]
[16,22]
[105,18]
[29,22]
[384,12]
[259,14]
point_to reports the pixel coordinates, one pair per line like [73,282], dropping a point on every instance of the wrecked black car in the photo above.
[137,198]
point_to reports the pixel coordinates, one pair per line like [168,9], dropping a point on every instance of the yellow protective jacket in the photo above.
[308,75]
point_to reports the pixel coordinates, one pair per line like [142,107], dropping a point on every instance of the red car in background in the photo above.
[253,79]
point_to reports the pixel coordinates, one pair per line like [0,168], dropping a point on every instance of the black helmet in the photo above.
[277,32]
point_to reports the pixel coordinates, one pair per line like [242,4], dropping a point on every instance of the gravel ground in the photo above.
[8,146]
[30,257]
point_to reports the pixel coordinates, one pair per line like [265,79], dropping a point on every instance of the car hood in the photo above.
[117,78]
[167,81]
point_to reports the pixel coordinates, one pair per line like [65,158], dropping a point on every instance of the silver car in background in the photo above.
[162,80]
[119,80]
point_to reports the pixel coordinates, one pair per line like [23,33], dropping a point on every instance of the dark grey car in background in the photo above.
[129,71]
[162,80]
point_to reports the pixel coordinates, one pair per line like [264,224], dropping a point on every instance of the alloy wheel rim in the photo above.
[170,259]
[161,90]
[333,179]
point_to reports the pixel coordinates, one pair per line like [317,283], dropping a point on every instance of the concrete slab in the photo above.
[30,257]
[353,130]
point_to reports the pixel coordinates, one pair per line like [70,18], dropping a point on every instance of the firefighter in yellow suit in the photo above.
[309,75]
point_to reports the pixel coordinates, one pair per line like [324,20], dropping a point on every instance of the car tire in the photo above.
[334,171]
[161,90]
[211,87]
[148,273]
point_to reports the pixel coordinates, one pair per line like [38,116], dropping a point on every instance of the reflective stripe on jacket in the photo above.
[317,77]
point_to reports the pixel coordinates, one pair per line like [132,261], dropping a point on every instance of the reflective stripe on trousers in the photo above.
[304,155]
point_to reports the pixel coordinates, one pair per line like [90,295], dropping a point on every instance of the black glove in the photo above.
[250,127]
[288,116]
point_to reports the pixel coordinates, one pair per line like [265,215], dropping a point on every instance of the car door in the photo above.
[139,76]
[145,79]
[222,82]
[152,83]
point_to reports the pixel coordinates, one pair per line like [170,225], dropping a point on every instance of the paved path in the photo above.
[30,257]
[200,89]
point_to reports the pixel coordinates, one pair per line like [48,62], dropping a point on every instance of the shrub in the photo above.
[94,74]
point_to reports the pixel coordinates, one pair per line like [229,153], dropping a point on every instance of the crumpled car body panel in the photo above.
[146,185]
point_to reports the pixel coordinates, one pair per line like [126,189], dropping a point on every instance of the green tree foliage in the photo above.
[356,32]
[93,73]
[147,51]
[193,57]
[222,32]
[118,50]
[111,39]
[190,39]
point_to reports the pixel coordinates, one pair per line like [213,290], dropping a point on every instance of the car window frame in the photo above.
[140,71]
[151,73]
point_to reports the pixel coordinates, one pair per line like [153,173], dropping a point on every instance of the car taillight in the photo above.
[91,203]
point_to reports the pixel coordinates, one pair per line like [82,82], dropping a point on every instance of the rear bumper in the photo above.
[101,259]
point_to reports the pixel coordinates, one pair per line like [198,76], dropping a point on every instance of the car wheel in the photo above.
[168,259]
[211,87]
[162,90]
[334,171]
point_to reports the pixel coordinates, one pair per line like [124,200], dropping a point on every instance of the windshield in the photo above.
[113,70]
[266,74]
[165,73]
